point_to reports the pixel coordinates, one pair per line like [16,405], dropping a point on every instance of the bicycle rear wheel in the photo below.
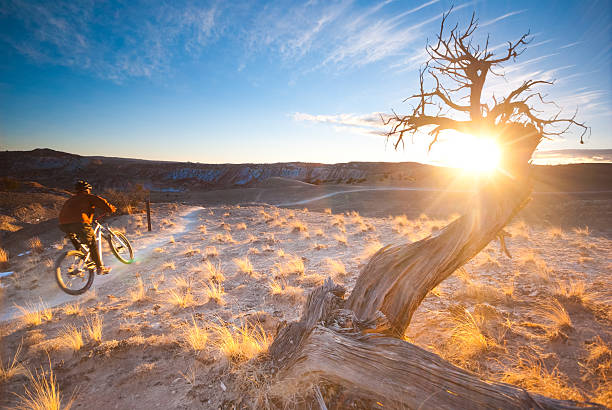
[121,247]
[73,273]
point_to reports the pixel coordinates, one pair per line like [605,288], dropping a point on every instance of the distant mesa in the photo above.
[280,182]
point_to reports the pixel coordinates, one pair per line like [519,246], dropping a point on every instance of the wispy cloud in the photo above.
[131,41]
[505,16]
[359,123]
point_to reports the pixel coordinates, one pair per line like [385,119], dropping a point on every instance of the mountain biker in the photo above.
[76,216]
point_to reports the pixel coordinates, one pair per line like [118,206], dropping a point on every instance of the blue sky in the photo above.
[268,81]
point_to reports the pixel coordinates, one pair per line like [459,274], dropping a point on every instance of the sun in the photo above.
[479,155]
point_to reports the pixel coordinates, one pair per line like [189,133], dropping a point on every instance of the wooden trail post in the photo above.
[149,212]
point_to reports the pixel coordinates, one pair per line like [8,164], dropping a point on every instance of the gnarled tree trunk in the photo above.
[358,342]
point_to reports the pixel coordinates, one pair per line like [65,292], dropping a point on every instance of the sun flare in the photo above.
[470,153]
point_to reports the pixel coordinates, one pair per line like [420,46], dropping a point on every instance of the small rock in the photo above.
[223,386]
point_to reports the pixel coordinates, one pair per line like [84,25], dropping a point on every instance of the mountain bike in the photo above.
[75,269]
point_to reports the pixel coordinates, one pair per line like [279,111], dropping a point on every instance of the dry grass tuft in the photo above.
[336,268]
[319,232]
[214,291]
[224,238]
[33,315]
[327,211]
[12,368]
[192,252]
[519,229]
[215,272]
[556,233]
[202,229]
[582,231]
[35,244]
[480,292]
[180,297]
[370,249]
[531,374]
[280,253]
[573,290]
[244,265]
[43,394]
[292,265]
[298,226]
[340,238]
[73,309]
[194,336]
[240,343]
[71,338]
[554,312]
[93,327]
[468,339]
[140,293]
[168,266]
[211,252]
[280,287]
[241,226]
[3,258]
[313,279]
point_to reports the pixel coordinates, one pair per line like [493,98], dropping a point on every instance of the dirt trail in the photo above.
[52,296]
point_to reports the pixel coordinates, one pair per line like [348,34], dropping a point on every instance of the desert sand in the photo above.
[159,333]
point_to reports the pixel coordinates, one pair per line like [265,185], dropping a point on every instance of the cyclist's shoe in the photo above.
[103,270]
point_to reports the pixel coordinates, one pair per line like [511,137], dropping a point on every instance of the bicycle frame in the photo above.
[99,232]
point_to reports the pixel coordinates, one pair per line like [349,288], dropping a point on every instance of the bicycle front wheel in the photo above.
[73,273]
[121,248]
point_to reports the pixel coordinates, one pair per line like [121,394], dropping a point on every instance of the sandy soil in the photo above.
[493,317]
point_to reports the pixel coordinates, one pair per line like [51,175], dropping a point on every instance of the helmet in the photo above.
[82,185]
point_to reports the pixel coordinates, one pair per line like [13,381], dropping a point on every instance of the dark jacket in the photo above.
[80,208]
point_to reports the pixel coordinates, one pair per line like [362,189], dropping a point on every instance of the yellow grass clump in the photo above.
[298,226]
[12,368]
[241,226]
[211,252]
[319,232]
[71,338]
[202,229]
[194,336]
[280,288]
[214,291]
[292,265]
[340,238]
[33,315]
[140,293]
[224,238]
[180,297]
[43,393]
[93,327]
[35,244]
[370,249]
[327,211]
[244,265]
[192,252]
[215,272]
[554,312]
[73,309]
[531,374]
[3,258]
[556,233]
[582,231]
[467,339]
[574,290]
[168,266]
[240,343]
[335,267]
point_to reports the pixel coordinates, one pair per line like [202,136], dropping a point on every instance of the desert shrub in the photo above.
[93,327]
[194,336]
[240,343]
[3,258]
[127,202]
[71,338]
[43,393]
[244,265]
[12,368]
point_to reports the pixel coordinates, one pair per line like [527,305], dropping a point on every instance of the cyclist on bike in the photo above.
[77,215]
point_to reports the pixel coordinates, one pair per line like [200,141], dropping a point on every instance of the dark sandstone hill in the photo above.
[59,170]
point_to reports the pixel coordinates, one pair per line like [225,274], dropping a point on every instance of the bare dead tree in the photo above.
[357,343]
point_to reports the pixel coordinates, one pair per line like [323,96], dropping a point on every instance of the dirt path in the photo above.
[52,296]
